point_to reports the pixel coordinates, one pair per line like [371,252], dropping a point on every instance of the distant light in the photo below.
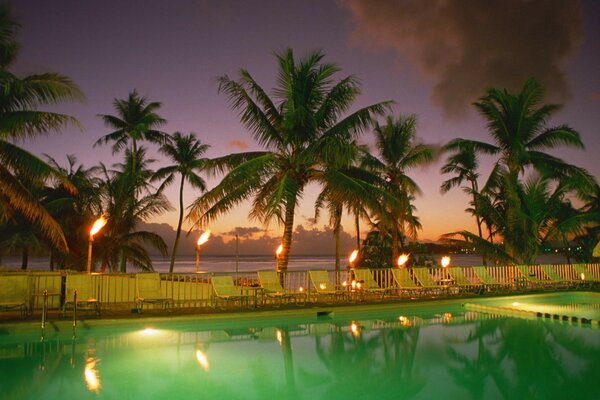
[344,284]
[353,284]
[582,276]
[322,286]
[301,289]
[516,304]
[279,337]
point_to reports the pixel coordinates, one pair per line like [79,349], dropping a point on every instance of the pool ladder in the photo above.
[45,313]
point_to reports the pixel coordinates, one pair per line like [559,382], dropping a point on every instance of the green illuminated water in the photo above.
[424,352]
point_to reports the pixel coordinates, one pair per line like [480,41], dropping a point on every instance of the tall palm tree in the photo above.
[73,211]
[136,120]
[302,130]
[130,200]
[399,152]
[517,125]
[464,163]
[20,119]
[186,152]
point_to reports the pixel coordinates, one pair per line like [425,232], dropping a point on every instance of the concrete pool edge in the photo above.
[312,313]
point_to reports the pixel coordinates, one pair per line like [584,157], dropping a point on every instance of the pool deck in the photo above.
[11,322]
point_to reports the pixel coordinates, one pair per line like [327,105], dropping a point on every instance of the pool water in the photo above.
[421,351]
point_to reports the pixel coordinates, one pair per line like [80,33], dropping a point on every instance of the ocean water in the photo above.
[254,263]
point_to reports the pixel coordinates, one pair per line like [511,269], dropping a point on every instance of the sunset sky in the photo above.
[433,58]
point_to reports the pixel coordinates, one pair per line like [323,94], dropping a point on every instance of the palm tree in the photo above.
[130,200]
[136,120]
[186,152]
[464,163]
[303,132]
[20,119]
[517,125]
[398,153]
[74,211]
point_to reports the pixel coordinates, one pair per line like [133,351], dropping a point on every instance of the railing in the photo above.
[117,291]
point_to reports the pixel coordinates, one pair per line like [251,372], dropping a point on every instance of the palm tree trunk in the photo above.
[25,258]
[178,234]
[336,233]
[288,227]
[394,233]
[477,217]
[357,226]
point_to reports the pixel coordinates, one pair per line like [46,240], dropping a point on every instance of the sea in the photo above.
[187,264]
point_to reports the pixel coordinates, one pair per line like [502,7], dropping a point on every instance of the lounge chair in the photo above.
[556,279]
[532,279]
[87,293]
[271,284]
[405,283]
[225,289]
[457,274]
[426,281]
[148,290]
[323,286]
[15,293]
[489,283]
[369,285]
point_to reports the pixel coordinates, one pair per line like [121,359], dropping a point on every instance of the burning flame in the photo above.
[445,261]
[402,259]
[203,238]
[98,224]
[353,256]
[279,250]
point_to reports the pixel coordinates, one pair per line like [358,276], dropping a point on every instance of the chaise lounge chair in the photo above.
[148,290]
[405,283]
[465,285]
[87,293]
[15,293]
[225,289]
[271,284]
[323,286]
[369,285]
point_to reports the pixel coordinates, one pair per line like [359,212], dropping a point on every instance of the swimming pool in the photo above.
[424,350]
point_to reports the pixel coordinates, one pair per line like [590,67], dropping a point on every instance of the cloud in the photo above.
[467,46]
[244,232]
[239,144]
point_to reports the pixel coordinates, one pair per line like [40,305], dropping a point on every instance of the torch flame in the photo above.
[279,250]
[445,261]
[98,224]
[353,256]
[204,237]
[402,259]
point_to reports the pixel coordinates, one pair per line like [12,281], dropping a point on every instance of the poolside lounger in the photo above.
[323,286]
[426,281]
[271,284]
[405,283]
[586,275]
[369,285]
[87,295]
[457,274]
[148,290]
[15,293]
[531,278]
[225,289]
[556,279]
[489,283]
